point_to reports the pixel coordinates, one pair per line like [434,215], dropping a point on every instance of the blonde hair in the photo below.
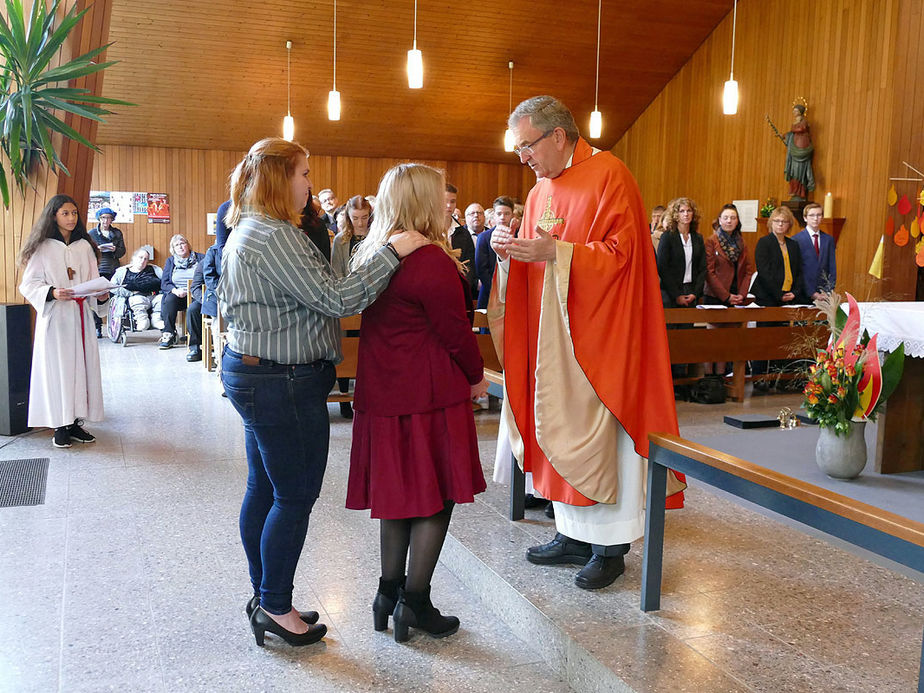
[261,181]
[782,212]
[672,213]
[410,197]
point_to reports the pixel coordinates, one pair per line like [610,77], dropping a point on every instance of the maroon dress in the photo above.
[414,441]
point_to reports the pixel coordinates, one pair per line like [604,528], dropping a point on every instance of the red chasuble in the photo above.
[614,315]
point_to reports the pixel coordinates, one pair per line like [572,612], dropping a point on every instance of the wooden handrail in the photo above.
[848,508]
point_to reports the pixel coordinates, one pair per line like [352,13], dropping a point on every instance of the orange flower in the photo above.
[812,399]
[832,399]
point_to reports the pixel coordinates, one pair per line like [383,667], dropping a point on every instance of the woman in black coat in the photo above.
[682,256]
[775,254]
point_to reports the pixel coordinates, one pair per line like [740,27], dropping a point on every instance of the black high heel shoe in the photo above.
[261,622]
[308,617]
[415,610]
[385,600]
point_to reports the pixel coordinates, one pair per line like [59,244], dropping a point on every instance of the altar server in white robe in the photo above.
[65,384]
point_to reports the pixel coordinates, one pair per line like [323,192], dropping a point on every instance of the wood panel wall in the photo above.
[197,182]
[837,54]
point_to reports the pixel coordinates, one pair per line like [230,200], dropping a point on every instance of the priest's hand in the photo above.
[500,241]
[480,390]
[539,249]
[735,299]
[63,294]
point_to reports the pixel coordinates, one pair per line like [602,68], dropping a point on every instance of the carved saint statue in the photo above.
[799,153]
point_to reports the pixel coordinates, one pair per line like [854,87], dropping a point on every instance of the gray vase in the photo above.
[842,457]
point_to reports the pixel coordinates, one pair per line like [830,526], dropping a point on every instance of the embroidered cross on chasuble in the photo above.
[548,218]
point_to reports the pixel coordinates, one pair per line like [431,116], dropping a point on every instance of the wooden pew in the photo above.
[738,343]
[349,345]
[874,529]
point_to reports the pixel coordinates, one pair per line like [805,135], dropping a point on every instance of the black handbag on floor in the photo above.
[709,390]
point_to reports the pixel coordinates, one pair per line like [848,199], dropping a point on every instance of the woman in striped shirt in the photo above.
[282,303]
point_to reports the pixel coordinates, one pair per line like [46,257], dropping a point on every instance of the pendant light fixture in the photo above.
[596,118]
[730,95]
[288,123]
[333,96]
[508,133]
[415,60]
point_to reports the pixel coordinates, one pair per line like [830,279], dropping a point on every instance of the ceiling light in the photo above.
[415,60]
[596,118]
[730,93]
[333,96]
[288,123]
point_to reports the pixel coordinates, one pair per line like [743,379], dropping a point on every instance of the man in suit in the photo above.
[329,203]
[819,272]
[460,239]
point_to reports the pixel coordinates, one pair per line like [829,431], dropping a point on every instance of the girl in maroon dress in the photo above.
[415,452]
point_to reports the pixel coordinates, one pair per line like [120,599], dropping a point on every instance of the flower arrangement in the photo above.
[767,209]
[846,382]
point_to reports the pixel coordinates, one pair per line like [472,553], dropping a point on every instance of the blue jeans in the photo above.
[286,432]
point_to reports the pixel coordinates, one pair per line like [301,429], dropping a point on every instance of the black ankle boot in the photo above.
[415,610]
[385,600]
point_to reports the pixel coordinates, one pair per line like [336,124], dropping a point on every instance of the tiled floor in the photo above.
[131,577]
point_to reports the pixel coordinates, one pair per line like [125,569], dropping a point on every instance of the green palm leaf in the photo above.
[31,93]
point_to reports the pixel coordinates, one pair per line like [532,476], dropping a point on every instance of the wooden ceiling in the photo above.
[212,75]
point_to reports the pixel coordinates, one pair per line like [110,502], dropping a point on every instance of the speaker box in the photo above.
[15,367]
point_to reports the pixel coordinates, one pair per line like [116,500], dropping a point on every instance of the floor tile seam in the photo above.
[822,665]
[727,673]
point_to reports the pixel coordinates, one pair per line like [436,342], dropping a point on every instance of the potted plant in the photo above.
[847,386]
[31,100]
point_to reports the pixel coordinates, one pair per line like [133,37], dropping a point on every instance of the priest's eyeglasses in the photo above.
[527,149]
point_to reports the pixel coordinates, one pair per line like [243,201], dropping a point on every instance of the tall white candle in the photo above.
[829,206]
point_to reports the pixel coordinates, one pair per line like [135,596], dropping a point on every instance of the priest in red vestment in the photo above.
[577,318]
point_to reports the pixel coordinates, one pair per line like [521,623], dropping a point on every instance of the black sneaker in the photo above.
[80,435]
[62,438]
[167,341]
[194,354]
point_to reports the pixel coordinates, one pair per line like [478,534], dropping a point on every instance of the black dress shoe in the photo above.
[308,617]
[261,623]
[600,571]
[194,354]
[550,511]
[531,502]
[561,549]
[346,410]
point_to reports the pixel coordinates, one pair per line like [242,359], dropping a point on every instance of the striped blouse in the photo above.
[280,297]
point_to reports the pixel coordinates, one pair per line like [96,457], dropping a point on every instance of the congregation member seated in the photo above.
[178,270]
[207,274]
[139,281]
[728,267]
[819,271]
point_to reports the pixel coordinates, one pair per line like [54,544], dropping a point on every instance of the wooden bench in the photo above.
[738,343]
[879,531]
[349,345]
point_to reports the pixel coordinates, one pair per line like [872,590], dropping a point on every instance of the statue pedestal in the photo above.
[796,207]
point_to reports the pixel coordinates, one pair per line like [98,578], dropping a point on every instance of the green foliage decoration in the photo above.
[34,96]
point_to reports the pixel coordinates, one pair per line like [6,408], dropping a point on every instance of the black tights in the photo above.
[414,544]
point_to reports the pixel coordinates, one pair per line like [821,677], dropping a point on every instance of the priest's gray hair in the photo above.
[546,113]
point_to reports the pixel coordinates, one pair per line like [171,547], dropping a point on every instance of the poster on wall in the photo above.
[139,203]
[158,208]
[211,222]
[98,200]
[121,204]
[118,202]
[747,213]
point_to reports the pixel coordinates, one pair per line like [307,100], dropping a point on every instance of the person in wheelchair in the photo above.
[139,282]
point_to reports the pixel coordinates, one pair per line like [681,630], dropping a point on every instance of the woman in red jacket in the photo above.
[415,451]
